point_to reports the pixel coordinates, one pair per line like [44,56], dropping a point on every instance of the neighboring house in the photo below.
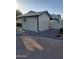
[18,22]
[56,23]
[36,21]
[56,17]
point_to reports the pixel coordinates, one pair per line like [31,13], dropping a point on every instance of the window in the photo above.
[51,18]
[55,19]
[19,25]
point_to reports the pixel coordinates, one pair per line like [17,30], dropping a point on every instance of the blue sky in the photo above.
[52,6]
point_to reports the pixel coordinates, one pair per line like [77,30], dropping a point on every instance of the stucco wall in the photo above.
[44,22]
[56,25]
[30,24]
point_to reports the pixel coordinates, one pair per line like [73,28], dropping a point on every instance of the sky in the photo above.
[52,6]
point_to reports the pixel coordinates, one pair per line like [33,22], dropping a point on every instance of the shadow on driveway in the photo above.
[53,33]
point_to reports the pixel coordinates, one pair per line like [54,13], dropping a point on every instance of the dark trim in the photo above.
[29,16]
[38,24]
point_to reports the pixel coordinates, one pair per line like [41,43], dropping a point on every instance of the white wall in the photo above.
[44,22]
[30,24]
[56,25]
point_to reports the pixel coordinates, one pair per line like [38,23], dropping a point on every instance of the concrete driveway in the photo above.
[53,49]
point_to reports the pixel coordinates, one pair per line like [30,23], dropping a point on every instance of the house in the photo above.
[56,22]
[39,21]
[35,21]
[18,22]
[56,17]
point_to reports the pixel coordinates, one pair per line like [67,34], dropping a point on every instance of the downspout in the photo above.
[38,24]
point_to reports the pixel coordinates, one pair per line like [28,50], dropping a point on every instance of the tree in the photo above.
[18,12]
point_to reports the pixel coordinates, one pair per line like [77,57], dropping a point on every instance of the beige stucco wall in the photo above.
[30,24]
[44,22]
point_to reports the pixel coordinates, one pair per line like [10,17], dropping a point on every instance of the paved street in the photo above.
[53,49]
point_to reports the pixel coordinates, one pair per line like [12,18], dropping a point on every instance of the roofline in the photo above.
[36,15]
[47,13]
